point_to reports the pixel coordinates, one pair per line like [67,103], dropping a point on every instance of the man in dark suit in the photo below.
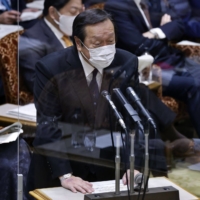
[139,30]
[47,35]
[68,85]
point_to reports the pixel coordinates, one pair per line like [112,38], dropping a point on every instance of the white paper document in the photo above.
[39,4]
[26,16]
[26,112]
[107,186]
[11,137]
[7,29]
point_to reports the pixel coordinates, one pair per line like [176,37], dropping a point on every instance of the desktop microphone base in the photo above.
[163,193]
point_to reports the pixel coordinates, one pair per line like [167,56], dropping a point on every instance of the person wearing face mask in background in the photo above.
[51,33]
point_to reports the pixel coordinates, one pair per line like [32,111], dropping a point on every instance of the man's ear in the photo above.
[78,43]
[53,13]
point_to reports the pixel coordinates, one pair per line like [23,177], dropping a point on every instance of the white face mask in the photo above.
[101,57]
[65,23]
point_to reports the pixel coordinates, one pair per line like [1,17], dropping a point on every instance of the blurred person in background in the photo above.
[10,11]
[141,27]
[188,11]
[49,34]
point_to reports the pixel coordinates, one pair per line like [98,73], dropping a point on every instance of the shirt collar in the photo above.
[88,68]
[58,33]
[137,1]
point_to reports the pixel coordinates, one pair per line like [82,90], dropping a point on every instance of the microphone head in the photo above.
[104,93]
[138,178]
[128,90]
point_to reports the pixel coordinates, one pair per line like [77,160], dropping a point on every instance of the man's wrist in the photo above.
[65,176]
[156,36]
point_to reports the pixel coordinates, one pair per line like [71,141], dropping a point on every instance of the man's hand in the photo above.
[128,174]
[149,35]
[76,184]
[9,17]
[165,19]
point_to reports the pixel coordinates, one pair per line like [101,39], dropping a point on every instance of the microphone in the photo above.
[128,106]
[138,178]
[106,95]
[136,100]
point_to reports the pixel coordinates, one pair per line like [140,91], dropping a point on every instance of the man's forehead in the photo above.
[96,30]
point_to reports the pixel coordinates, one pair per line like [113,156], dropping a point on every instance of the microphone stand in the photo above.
[117,166]
[132,161]
[146,165]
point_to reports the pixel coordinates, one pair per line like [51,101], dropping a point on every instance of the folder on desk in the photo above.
[27,112]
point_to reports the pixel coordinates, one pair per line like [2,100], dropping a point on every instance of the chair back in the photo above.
[14,88]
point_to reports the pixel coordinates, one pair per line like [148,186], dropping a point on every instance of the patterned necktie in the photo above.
[67,41]
[94,89]
[6,4]
[144,8]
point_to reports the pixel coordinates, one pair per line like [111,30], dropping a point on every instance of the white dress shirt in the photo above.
[157,31]
[88,69]
[56,32]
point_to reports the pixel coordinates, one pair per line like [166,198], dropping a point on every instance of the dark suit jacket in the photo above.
[35,43]
[60,89]
[130,26]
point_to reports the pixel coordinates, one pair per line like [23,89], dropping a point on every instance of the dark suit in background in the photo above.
[35,43]
[188,11]
[180,76]
[60,89]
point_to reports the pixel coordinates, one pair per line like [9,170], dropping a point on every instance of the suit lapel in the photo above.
[50,37]
[79,84]
[135,12]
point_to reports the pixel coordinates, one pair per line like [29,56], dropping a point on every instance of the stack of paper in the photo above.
[26,16]
[39,4]
[26,112]
[7,29]
[11,137]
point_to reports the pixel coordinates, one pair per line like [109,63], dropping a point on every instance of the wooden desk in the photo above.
[7,118]
[59,193]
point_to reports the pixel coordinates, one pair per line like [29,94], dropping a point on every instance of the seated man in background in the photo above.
[188,11]
[139,31]
[49,34]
